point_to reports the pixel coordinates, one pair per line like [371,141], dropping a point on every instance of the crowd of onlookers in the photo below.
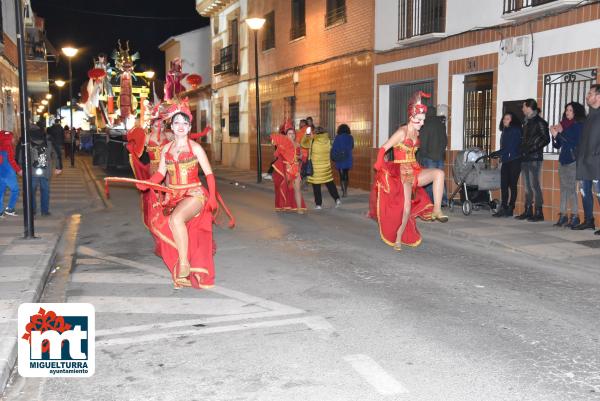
[522,145]
[316,146]
[46,146]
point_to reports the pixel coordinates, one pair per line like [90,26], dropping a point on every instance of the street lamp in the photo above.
[44,102]
[70,52]
[255,24]
[59,83]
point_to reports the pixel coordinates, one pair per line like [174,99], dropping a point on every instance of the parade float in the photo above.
[115,100]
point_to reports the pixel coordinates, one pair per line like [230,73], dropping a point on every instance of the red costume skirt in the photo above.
[201,248]
[284,189]
[386,205]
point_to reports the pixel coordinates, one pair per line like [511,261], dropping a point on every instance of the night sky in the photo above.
[78,23]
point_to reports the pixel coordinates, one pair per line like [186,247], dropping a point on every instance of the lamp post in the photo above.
[59,83]
[255,24]
[27,178]
[70,52]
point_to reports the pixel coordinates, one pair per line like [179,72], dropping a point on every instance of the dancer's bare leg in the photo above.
[405,214]
[297,193]
[184,212]
[435,176]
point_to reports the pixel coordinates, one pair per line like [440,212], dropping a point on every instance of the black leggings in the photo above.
[344,174]
[330,187]
[509,177]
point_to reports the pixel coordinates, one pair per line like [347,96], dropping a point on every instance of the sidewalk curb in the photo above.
[38,279]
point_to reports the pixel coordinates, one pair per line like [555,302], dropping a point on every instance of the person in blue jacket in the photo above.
[341,154]
[565,136]
[509,154]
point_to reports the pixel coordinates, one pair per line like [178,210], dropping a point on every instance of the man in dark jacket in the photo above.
[57,135]
[432,150]
[535,138]
[588,158]
[45,161]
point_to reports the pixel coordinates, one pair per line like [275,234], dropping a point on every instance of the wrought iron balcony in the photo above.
[421,17]
[228,60]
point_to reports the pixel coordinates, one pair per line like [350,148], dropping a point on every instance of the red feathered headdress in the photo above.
[180,106]
[415,105]
[287,125]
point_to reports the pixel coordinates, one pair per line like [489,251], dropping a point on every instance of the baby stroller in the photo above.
[475,180]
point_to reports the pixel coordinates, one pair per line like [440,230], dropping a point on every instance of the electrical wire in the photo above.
[142,17]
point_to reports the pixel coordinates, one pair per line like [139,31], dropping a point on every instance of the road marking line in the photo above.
[84,250]
[168,305]
[375,375]
[320,325]
[199,332]
[91,261]
[251,299]
[100,277]
[190,322]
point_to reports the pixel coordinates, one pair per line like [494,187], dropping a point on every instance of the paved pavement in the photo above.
[316,307]
[540,240]
[26,264]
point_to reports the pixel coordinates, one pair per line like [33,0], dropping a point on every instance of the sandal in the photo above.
[439,217]
[183,271]
[398,246]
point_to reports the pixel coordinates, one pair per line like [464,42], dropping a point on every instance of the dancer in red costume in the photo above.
[181,222]
[286,174]
[397,197]
[156,137]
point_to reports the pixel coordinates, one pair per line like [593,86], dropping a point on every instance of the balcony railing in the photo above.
[518,5]
[421,17]
[228,61]
[335,16]
[297,31]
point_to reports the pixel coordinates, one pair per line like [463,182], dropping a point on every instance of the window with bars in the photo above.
[421,17]
[478,111]
[335,12]
[298,28]
[269,31]
[265,122]
[563,88]
[400,94]
[327,112]
[234,120]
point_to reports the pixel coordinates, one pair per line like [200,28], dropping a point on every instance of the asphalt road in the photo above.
[316,307]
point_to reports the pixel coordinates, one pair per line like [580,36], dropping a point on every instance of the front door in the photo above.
[478,111]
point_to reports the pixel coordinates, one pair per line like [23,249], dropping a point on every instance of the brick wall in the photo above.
[320,42]
[351,78]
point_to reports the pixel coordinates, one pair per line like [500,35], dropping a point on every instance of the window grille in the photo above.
[478,111]
[421,17]
[234,120]
[327,112]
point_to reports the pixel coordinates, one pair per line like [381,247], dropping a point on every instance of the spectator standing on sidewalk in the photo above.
[67,140]
[535,139]
[341,154]
[319,148]
[8,173]
[565,136]
[510,143]
[432,150]
[45,160]
[57,135]
[588,159]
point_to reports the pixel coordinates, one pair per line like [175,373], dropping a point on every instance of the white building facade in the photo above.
[229,37]
[480,58]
